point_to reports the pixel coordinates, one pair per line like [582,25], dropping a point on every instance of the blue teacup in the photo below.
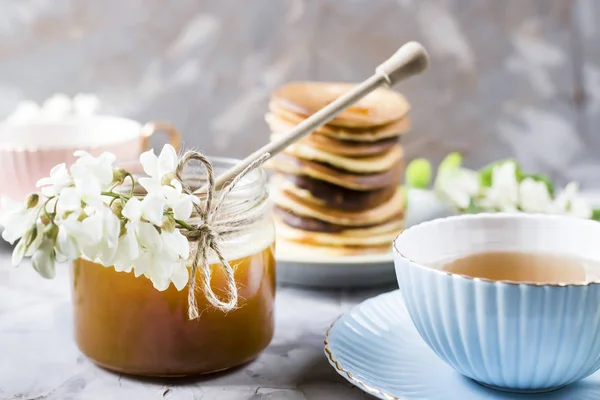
[513,336]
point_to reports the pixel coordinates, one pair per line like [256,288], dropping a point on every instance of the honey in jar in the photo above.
[124,324]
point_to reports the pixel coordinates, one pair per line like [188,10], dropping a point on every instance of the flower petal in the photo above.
[149,162]
[153,209]
[43,260]
[149,237]
[69,200]
[66,244]
[133,210]
[176,242]
[129,244]
[112,228]
[179,276]
[37,241]
[93,228]
[19,252]
[151,185]
[182,209]
[167,161]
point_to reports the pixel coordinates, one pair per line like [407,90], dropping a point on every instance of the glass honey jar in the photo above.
[124,324]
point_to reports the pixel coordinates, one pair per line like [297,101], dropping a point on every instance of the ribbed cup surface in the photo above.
[522,337]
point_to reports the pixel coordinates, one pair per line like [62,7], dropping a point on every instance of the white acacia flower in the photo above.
[158,168]
[155,266]
[149,237]
[98,168]
[58,180]
[503,195]
[180,274]
[458,185]
[128,250]
[180,202]
[177,243]
[28,244]
[16,219]
[43,260]
[138,237]
[569,202]
[101,236]
[534,196]
[177,248]
[70,233]
[150,208]
[162,257]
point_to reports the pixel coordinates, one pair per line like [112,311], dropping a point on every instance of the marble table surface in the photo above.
[39,359]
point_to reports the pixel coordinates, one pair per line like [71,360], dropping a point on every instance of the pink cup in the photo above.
[29,151]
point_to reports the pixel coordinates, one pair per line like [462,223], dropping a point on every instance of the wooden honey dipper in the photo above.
[411,59]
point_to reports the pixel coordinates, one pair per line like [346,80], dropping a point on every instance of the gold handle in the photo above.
[152,127]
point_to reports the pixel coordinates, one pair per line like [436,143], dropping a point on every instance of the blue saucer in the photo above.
[376,347]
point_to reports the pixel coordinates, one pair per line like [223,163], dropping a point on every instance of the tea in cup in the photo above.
[29,150]
[511,301]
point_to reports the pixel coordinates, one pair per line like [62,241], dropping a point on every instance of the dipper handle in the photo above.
[411,59]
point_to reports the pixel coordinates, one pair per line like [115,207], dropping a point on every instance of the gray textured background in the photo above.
[511,77]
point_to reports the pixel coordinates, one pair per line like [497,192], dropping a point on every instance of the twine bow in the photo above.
[207,234]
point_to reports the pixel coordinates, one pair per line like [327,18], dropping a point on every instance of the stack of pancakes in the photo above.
[337,191]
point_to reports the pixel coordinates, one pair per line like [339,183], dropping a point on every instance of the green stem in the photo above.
[43,208]
[132,185]
[184,225]
[49,215]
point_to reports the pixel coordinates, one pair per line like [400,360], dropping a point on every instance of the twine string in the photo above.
[207,234]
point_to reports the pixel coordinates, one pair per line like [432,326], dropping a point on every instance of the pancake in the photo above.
[384,212]
[325,194]
[371,134]
[332,144]
[284,163]
[341,147]
[316,225]
[345,148]
[378,236]
[289,247]
[379,107]
[363,165]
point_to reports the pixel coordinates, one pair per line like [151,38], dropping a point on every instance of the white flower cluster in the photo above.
[55,108]
[508,190]
[79,213]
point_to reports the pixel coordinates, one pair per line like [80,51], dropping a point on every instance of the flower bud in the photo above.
[168,223]
[117,209]
[51,232]
[119,175]
[82,216]
[44,219]
[123,229]
[32,200]
[166,180]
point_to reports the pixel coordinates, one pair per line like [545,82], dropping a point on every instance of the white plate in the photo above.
[306,269]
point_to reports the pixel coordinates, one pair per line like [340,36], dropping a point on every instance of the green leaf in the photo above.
[596,214]
[451,161]
[418,174]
